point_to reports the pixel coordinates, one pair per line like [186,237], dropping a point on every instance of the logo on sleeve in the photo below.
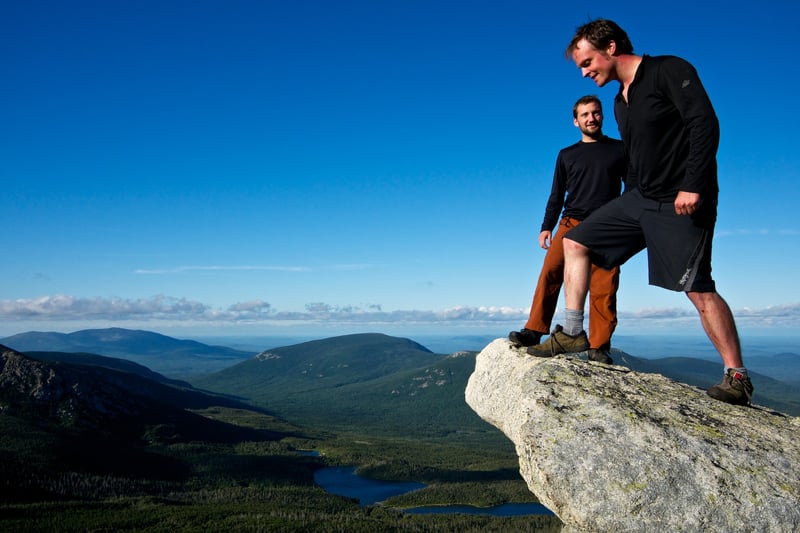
[685,83]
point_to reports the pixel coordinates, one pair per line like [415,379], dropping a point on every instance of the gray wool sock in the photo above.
[573,321]
[741,370]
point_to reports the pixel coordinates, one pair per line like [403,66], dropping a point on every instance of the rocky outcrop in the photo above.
[609,449]
[90,395]
[61,393]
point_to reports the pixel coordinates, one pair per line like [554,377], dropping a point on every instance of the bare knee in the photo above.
[704,300]
[574,248]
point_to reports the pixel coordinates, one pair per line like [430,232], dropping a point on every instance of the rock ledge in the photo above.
[609,449]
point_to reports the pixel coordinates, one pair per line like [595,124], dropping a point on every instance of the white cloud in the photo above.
[749,232]
[253,306]
[64,307]
[160,308]
[784,316]
[666,313]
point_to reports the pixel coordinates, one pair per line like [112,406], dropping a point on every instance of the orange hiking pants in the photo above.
[602,293]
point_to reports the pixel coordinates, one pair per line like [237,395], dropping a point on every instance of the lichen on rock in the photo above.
[609,449]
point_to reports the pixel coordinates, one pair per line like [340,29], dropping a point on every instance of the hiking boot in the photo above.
[600,355]
[525,337]
[735,388]
[559,342]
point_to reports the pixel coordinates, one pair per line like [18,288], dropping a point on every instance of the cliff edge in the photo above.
[609,449]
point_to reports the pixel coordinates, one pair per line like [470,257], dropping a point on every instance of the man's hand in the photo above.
[686,203]
[545,238]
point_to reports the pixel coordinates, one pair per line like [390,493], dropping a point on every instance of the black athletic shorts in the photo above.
[678,246]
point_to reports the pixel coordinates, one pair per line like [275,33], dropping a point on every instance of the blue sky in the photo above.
[262,166]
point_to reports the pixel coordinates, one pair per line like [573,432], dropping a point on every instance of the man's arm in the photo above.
[555,202]
[686,91]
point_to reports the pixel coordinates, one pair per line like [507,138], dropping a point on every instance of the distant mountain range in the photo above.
[395,385]
[160,353]
[374,381]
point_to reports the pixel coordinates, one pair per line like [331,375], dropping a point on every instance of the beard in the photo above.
[594,132]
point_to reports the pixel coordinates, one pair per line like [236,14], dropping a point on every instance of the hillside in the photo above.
[75,396]
[113,363]
[60,419]
[370,382]
[325,363]
[160,353]
[390,386]
[783,365]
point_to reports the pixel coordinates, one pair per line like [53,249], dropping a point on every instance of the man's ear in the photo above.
[611,49]
[575,121]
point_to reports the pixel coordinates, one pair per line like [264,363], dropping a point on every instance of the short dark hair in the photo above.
[583,100]
[599,33]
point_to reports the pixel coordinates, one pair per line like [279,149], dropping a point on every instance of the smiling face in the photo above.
[589,119]
[599,65]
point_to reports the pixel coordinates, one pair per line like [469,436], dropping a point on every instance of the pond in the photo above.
[344,481]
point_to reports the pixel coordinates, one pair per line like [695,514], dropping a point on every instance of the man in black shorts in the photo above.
[671,134]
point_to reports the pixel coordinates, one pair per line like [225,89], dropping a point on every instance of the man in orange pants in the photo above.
[588,174]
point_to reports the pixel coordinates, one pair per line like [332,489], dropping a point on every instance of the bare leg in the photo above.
[719,325]
[577,274]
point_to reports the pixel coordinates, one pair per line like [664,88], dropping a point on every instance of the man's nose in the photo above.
[584,71]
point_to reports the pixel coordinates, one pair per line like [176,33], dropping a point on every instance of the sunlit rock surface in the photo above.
[608,449]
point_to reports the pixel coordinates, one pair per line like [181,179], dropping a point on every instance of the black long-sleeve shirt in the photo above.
[670,130]
[589,175]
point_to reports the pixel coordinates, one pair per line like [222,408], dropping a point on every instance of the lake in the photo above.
[344,481]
